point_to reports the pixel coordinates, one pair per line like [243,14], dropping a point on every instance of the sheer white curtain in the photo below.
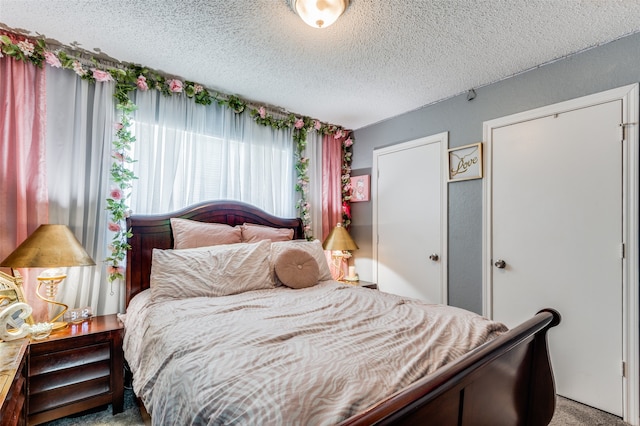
[187,153]
[313,151]
[80,129]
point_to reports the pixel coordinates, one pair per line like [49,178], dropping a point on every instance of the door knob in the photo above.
[434,257]
[500,264]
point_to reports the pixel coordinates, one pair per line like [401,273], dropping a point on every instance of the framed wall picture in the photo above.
[360,188]
[465,162]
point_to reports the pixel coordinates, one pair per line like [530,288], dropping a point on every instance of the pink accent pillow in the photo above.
[193,234]
[296,268]
[252,233]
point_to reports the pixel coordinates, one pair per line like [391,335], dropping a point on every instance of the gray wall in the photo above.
[605,67]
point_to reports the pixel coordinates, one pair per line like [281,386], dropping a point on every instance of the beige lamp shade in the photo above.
[339,239]
[49,246]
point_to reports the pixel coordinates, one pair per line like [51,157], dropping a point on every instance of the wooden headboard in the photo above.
[154,231]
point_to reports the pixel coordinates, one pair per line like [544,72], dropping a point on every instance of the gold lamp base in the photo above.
[338,263]
[50,279]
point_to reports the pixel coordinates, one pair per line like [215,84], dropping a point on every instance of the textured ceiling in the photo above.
[380,59]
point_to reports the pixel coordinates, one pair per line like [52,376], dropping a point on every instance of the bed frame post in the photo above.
[541,408]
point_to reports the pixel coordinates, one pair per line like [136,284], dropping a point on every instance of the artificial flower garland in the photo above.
[139,78]
[122,177]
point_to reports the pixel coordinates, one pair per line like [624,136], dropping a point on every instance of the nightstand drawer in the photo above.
[61,378]
[59,397]
[67,359]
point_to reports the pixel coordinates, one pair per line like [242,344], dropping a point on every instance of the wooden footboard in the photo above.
[508,381]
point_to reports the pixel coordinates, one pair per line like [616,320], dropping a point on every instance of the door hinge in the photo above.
[622,251]
[624,126]
[623,367]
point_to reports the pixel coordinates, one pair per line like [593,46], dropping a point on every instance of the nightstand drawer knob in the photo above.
[500,264]
[434,257]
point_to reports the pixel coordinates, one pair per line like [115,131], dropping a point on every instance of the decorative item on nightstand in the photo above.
[341,244]
[50,246]
[15,314]
[352,277]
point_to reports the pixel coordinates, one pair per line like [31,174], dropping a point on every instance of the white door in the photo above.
[409,218]
[557,221]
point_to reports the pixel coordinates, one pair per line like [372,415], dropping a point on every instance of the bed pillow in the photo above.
[252,233]
[314,248]
[296,268]
[210,271]
[191,234]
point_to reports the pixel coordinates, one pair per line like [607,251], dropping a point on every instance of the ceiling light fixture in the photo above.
[319,13]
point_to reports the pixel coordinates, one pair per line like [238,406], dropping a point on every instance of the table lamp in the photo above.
[340,243]
[50,246]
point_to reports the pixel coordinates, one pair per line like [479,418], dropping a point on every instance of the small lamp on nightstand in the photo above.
[50,246]
[341,244]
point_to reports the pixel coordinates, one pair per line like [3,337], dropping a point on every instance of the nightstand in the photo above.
[367,284]
[361,283]
[75,369]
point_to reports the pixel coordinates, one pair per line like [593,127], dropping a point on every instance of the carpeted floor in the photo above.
[568,413]
[130,415]
[571,413]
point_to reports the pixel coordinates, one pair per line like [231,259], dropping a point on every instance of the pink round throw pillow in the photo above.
[296,268]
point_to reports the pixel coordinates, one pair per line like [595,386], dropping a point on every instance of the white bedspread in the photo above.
[287,357]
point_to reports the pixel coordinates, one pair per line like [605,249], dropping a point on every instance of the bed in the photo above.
[504,377]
